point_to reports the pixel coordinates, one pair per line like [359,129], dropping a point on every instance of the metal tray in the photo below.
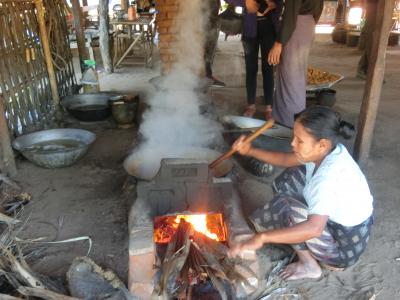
[327,85]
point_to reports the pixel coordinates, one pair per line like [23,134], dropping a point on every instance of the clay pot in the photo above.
[339,35]
[352,38]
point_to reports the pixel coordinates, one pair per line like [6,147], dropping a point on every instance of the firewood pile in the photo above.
[192,258]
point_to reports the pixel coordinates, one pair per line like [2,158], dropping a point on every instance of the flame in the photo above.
[211,225]
[199,223]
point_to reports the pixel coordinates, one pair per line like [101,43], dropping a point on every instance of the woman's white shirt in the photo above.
[338,189]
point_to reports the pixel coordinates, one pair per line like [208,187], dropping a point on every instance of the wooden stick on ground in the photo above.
[248,139]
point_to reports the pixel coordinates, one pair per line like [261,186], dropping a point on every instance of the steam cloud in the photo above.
[173,126]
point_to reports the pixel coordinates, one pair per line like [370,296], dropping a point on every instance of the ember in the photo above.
[211,225]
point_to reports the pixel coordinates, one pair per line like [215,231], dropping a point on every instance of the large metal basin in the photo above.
[145,165]
[277,131]
[54,148]
[88,107]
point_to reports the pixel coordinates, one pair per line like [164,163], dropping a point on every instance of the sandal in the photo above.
[250,111]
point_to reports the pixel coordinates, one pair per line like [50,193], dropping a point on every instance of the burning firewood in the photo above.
[190,257]
[175,258]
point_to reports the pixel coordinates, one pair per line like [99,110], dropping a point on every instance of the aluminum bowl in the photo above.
[277,131]
[54,148]
[88,107]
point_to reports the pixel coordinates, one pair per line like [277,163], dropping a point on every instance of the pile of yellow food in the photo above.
[317,77]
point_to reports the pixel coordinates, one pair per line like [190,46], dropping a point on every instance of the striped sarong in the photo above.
[338,245]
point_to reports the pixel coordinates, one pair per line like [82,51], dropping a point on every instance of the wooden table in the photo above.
[139,33]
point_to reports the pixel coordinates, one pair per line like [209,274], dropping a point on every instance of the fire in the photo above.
[211,225]
[199,223]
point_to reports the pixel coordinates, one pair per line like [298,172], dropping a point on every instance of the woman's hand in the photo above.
[252,6]
[241,146]
[252,244]
[271,6]
[274,55]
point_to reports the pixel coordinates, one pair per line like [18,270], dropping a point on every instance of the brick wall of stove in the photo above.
[167,18]
[181,185]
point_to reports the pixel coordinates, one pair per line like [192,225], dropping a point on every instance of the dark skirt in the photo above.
[291,73]
[338,245]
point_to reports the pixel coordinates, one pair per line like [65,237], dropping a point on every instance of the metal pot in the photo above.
[326,97]
[277,131]
[88,107]
[124,109]
[54,148]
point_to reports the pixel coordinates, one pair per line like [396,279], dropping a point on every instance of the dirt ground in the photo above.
[86,198]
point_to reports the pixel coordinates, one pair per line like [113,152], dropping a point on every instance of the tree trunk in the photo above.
[104,36]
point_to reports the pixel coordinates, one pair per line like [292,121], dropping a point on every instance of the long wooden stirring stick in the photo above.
[248,139]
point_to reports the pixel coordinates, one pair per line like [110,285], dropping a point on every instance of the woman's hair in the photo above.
[324,123]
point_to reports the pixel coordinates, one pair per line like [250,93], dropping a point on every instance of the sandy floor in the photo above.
[87,198]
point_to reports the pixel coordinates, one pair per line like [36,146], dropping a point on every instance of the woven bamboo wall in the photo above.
[24,80]
[59,43]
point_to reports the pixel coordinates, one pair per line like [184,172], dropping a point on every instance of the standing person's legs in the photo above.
[290,91]
[209,53]
[267,40]
[368,29]
[250,47]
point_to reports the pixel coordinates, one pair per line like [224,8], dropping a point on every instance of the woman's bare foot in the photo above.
[250,111]
[300,270]
[305,267]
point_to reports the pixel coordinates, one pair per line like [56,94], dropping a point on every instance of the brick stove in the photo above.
[181,186]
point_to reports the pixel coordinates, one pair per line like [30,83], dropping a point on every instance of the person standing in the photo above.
[212,28]
[290,53]
[261,22]
[371,7]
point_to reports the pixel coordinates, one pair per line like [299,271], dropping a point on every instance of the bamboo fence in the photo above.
[24,80]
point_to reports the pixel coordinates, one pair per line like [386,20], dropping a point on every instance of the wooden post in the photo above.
[80,34]
[104,36]
[47,53]
[373,85]
[124,4]
[85,15]
[7,161]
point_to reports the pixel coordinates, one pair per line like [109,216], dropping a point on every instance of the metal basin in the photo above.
[54,148]
[88,107]
[277,131]
[145,165]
